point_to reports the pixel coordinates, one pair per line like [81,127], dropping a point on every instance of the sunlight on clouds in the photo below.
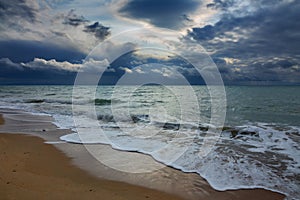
[205,16]
[231,60]
[139,70]
[153,53]
[90,65]
[126,69]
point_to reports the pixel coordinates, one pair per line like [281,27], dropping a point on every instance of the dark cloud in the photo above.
[6,62]
[100,31]
[206,33]
[25,51]
[73,19]
[167,13]
[221,4]
[254,40]
[272,31]
[269,71]
[17,9]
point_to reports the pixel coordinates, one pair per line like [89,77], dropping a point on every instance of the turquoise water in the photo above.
[257,147]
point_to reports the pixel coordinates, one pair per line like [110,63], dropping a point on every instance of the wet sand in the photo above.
[1,120]
[32,169]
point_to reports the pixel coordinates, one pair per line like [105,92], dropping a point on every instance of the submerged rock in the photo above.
[251,133]
[171,126]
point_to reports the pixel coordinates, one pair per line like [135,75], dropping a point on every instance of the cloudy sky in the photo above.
[50,41]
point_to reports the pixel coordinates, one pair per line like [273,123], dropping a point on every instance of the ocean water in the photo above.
[258,146]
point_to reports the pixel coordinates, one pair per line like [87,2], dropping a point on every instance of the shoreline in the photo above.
[167,180]
[38,170]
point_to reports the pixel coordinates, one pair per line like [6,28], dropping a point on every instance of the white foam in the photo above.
[55,142]
[236,165]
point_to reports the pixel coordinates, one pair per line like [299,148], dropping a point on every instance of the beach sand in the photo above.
[1,120]
[31,169]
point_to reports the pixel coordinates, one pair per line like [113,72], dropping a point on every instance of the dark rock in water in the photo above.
[106,118]
[252,133]
[135,119]
[226,128]
[293,133]
[140,118]
[234,133]
[203,128]
[102,102]
[171,126]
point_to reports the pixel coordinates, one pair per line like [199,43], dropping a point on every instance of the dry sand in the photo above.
[31,169]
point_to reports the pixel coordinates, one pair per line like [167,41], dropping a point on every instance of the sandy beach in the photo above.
[32,169]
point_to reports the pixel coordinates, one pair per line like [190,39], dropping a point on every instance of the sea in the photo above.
[256,145]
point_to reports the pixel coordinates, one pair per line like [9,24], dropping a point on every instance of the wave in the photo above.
[104,102]
[248,156]
[132,118]
[146,119]
[37,101]
[51,94]
[98,102]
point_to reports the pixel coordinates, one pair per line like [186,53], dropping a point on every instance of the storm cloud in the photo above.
[167,13]
[22,9]
[100,31]
[253,41]
[73,19]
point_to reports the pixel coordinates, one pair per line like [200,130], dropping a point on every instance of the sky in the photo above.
[250,42]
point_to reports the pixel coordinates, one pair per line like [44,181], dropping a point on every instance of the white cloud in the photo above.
[96,66]
[126,69]
[90,65]
[39,63]
[230,61]
[156,71]
[164,71]
[139,70]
